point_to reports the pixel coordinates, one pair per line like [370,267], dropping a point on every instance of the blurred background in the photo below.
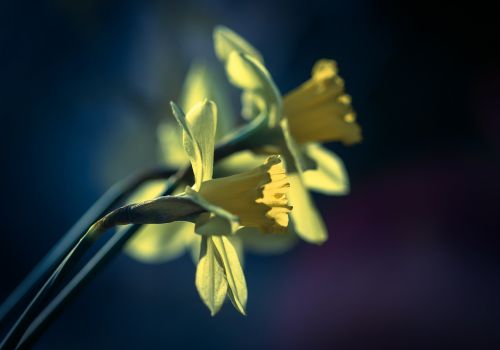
[412,257]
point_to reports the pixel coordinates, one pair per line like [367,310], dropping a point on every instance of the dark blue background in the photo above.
[412,261]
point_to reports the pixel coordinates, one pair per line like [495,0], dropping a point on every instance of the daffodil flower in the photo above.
[255,199]
[315,112]
[162,243]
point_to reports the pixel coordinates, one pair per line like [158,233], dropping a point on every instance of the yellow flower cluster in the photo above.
[257,192]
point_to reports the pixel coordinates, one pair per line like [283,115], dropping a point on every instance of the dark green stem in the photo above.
[234,143]
[42,270]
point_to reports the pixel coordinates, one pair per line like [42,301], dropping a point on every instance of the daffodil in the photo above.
[256,198]
[317,111]
[162,243]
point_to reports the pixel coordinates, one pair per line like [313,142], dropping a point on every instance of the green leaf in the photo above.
[210,280]
[233,271]
[306,220]
[227,41]
[330,175]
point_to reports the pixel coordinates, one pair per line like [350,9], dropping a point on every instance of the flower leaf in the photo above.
[210,280]
[233,271]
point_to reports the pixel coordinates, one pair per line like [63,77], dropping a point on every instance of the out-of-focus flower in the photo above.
[256,199]
[317,111]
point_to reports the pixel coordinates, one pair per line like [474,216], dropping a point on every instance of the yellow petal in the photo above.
[227,41]
[249,74]
[234,273]
[158,243]
[202,83]
[199,137]
[238,163]
[307,221]
[171,150]
[210,279]
[319,110]
[161,243]
[257,197]
[217,220]
[330,175]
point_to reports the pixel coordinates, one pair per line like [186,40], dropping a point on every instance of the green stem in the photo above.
[236,142]
[93,233]
[98,261]
[56,255]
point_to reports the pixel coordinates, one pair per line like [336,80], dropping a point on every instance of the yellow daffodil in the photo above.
[255,199]
[317,111]
[161,243]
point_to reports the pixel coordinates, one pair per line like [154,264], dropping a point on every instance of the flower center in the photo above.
[257,197]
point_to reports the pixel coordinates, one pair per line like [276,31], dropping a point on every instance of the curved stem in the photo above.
[108,200]
[92,234]
[236,142]
[98,261]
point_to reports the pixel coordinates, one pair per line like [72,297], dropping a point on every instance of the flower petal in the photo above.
[161,243]
[234,273]
[238,163]
[330,175]
[227,41]
[158,243]
[306,220]
[210,280]
[170,140]
[202,83]
[247,73]
[199,137]
[217,221]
